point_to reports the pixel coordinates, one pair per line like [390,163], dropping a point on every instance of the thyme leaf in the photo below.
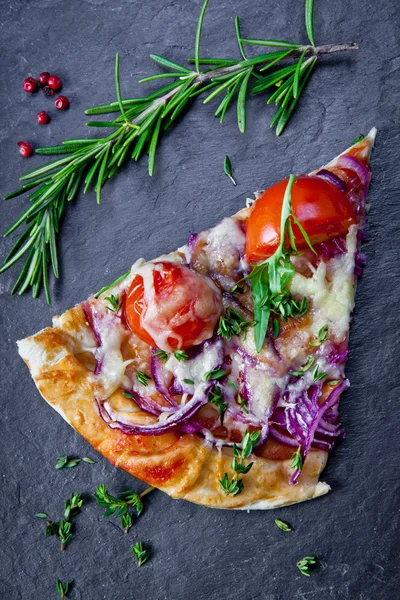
[143,378]
[120,506]
[232,323]
[228,169]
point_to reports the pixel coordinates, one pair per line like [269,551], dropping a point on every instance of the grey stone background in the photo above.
[198,553]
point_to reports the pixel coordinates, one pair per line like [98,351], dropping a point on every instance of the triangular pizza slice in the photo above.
[214,372]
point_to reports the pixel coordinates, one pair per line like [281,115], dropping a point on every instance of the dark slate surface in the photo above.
[196,552]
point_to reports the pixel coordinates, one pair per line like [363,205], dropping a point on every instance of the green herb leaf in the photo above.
[161,355]
[214,375]
[198,36]
[322,336]
[317,375]
[305,563]
[283,526]
[140,554]
[143,378]
[63,462]
[188,381]
[334,382]
[42,515]
[242,403]
[120,506]
[309,18]
[180,355]
[88,460]
[228,169]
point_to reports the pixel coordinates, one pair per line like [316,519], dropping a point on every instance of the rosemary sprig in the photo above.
[137,130]
[62,589]
[234,485]
[120,507]
[140,554]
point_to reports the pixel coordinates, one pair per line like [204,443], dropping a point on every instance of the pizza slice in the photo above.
[214,372]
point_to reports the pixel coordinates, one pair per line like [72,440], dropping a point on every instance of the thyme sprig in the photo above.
[62,529]
[137,130]
[233,323]
[305,563]
[140,553]
[216,397]
[115,303]
[234,485]
[120,506]
[62,588]
[65,462]
[269,280]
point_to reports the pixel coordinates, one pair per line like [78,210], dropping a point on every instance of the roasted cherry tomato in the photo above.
[172,307]
[322,209]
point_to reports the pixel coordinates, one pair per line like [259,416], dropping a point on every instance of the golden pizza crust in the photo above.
[184,466]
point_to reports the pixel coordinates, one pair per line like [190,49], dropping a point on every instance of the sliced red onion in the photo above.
[363,171]
[331,248]
[177,417]
[304,417]
[162,378]
[332,178]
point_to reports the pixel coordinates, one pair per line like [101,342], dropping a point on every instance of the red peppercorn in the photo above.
[54,82]
[44,78]
[30,85]
[43,118]
[61,102]
[48,91]
[25,149]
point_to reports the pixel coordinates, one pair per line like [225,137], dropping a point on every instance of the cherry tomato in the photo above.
[179,311]
[322,209]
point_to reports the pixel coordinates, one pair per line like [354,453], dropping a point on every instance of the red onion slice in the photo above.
[332,178]
[363,171]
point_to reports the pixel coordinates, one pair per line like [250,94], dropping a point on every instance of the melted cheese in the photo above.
[332,300]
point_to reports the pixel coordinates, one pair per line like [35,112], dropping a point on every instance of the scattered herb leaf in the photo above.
[143,378]
[180,355]
[161,354]
[322,336]
[228,169]
[216,397]
[283,526]
[214,375]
